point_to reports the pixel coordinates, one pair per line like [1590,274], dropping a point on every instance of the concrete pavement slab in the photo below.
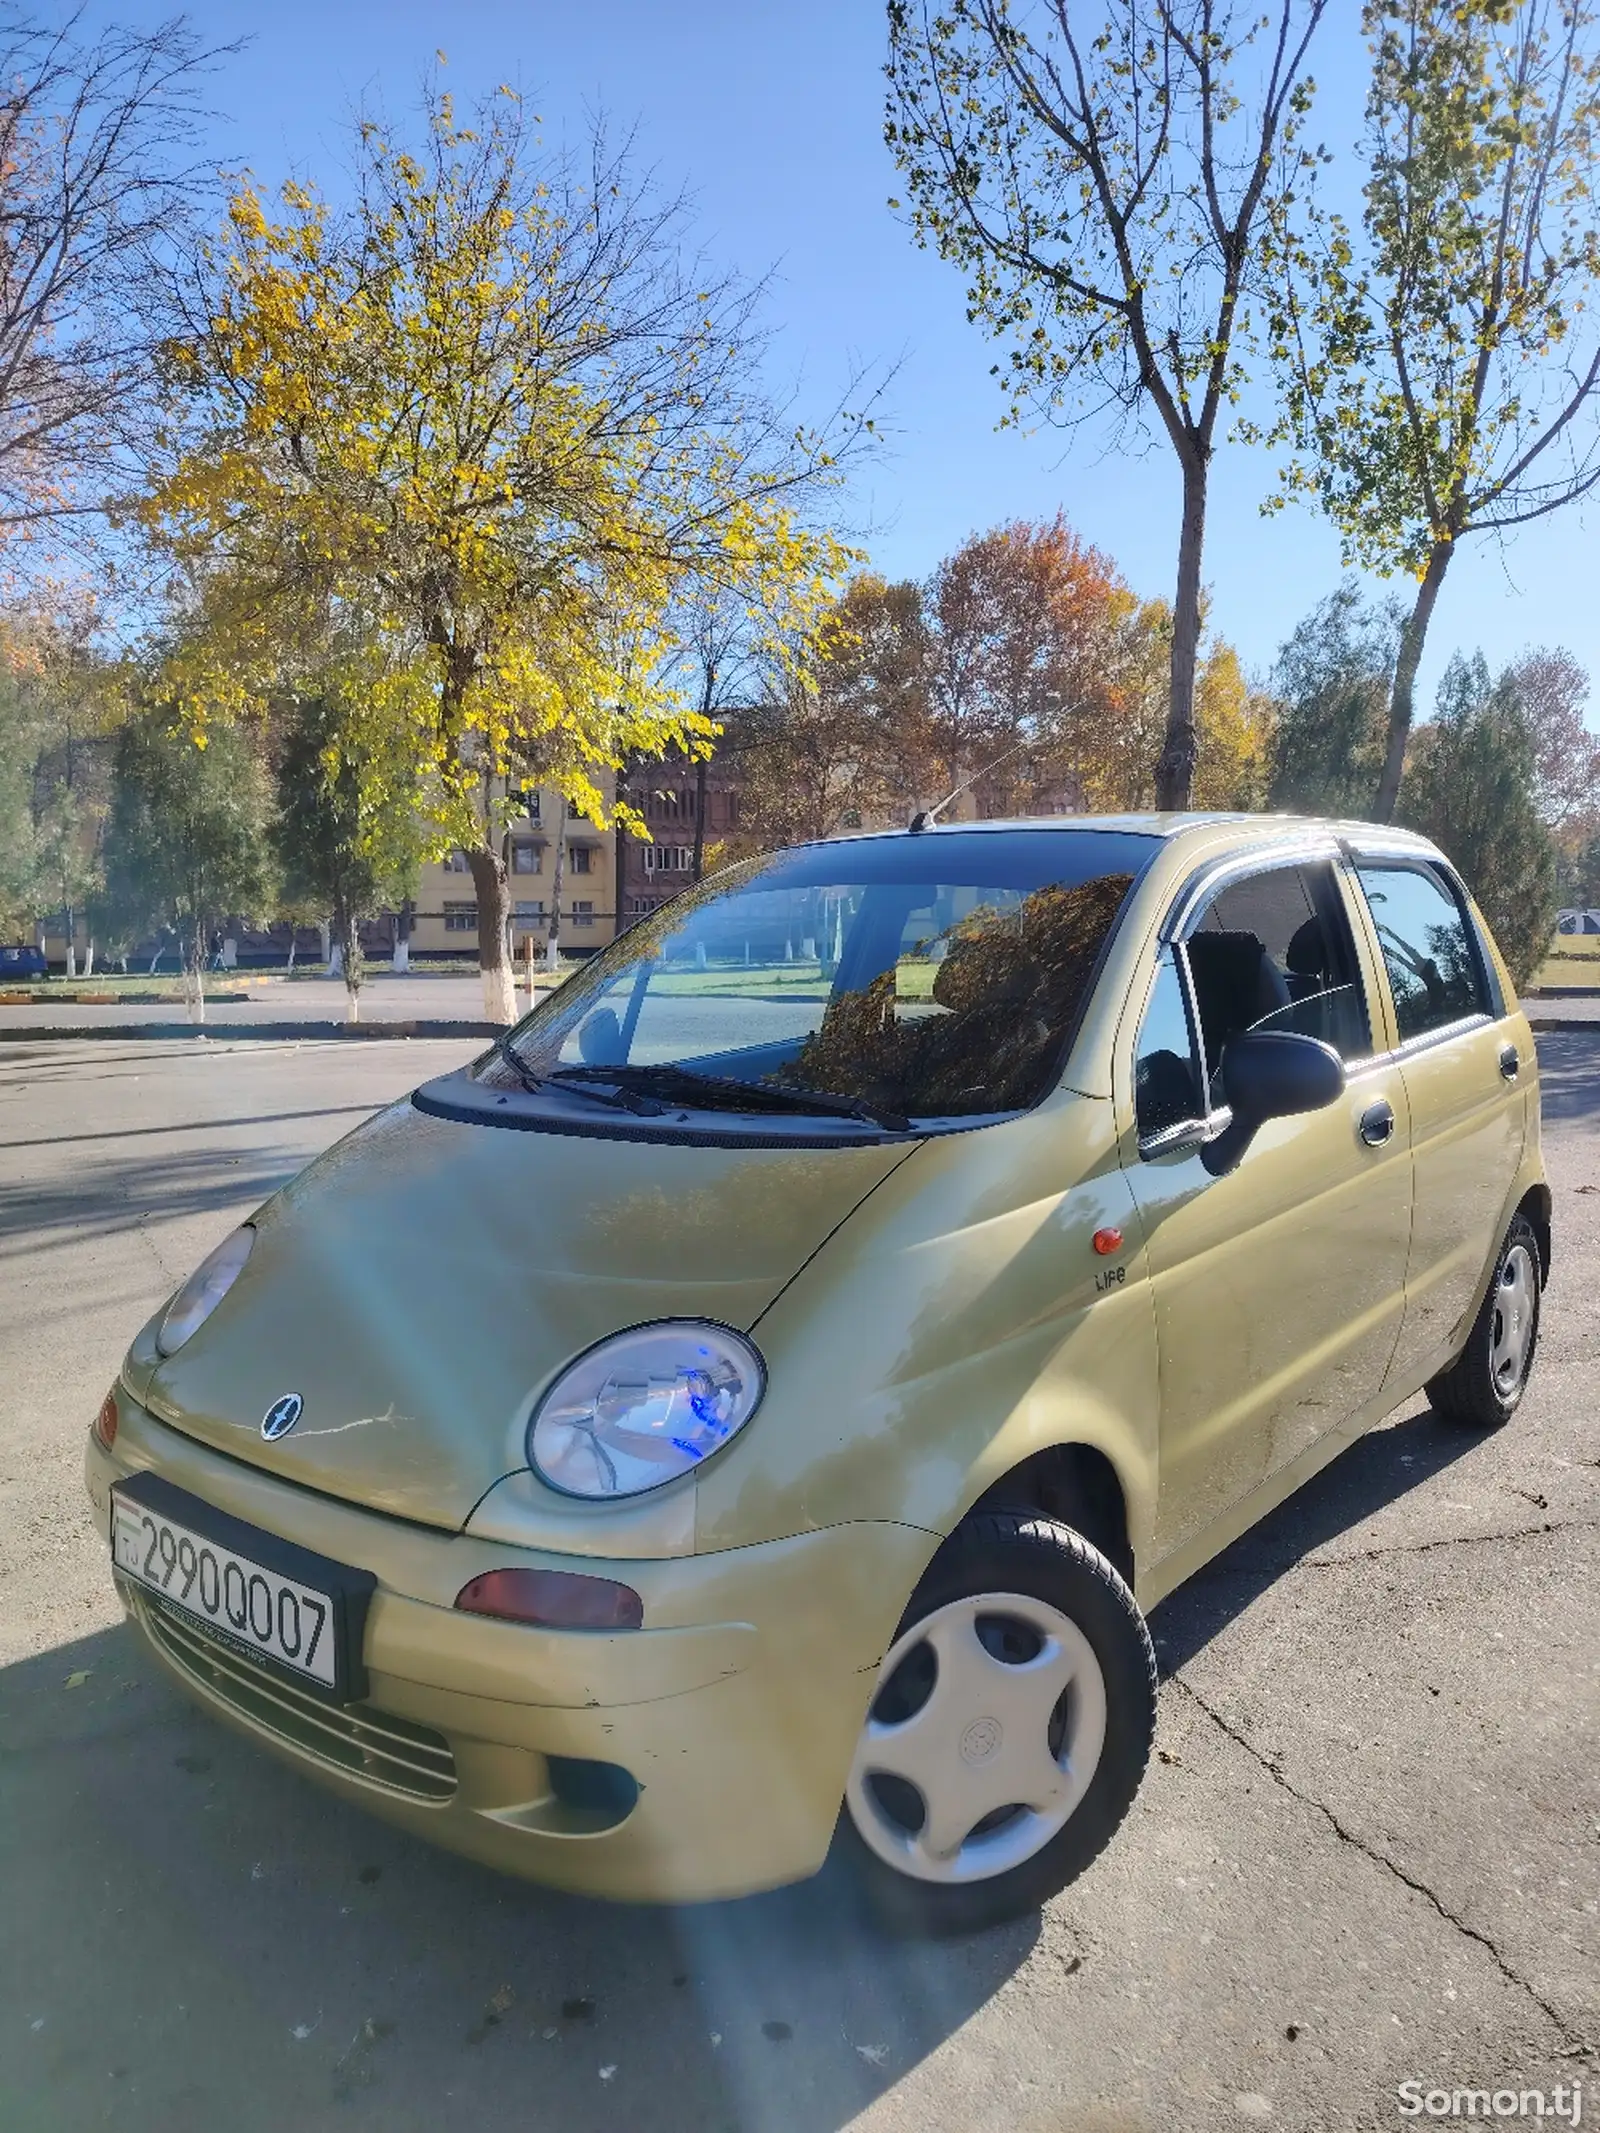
[1367,1851]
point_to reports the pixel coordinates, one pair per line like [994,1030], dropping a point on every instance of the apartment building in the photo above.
[672,794]
[446,920]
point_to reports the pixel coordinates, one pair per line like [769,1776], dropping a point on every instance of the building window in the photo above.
[668,858]
[533,909]
[583,914]
[527,858]
[455,863]
[460,918]
[582,859]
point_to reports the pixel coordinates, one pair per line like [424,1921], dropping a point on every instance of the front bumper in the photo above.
[736,1709]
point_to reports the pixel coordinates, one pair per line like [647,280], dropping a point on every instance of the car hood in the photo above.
[419,1283]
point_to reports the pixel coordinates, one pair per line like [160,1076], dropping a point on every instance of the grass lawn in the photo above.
[1574,960]
[114,986]
[781,981]
[790,981]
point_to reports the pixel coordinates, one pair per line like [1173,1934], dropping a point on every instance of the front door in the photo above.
[1279,1288]
[1463,1073]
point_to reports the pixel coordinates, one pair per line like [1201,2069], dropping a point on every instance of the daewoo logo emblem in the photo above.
[282,1416]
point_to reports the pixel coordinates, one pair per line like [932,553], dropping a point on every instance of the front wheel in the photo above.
[1484,1384]
[1009,1731]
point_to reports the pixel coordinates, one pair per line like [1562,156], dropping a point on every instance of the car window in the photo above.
[934,976]
[1274,952]
[1166,1071]
[1435,971]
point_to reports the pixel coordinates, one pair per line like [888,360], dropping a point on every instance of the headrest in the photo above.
[1307,954]
[1232,958]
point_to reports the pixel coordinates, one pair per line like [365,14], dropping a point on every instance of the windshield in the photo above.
[933,976]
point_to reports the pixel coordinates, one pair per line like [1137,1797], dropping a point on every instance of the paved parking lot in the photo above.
[1369,1850]
[254,1003]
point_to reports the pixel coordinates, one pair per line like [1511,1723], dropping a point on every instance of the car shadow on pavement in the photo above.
[1569,1087]
[196,1937]
[1377,1470]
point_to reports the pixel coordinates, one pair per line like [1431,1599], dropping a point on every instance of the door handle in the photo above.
[1377,1122]
[1510,1062]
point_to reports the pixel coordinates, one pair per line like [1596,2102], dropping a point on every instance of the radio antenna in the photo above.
[926,817]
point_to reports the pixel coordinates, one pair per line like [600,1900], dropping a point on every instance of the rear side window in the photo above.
[1435,970]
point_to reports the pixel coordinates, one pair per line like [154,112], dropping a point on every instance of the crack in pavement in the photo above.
[1574,2046]
[1448,1540]
[1220,1572]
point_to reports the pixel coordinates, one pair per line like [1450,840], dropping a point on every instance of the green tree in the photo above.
[18,869]
[60,703]
[187,842]
[489,419]
[348,837]
[1470,786]
[1441,367]
[1101,177]
[1578,875]
[1332,683]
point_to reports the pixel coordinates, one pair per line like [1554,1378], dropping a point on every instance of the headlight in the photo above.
[644,1407]
[204,1290]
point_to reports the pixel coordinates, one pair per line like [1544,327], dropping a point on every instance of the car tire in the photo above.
[1012,1606]
[1484,1385]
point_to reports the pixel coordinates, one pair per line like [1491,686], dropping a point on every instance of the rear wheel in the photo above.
[1009,1731]
[1484,1385]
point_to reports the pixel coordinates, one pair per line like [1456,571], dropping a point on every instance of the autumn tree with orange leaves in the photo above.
[1025,677]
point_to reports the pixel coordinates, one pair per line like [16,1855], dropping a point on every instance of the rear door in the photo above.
[1278,1288]
[1463,1070]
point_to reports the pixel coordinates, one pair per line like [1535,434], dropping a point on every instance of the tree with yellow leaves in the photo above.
[482,426]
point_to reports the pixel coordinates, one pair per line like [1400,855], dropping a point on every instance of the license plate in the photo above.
[275,1603]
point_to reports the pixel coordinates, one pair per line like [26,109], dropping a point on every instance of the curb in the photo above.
[249,1032]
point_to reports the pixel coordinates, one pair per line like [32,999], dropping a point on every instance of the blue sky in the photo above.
[769,111]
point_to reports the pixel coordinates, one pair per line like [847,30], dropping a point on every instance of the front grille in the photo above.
[374,1746]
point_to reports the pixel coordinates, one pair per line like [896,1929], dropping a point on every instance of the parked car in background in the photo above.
[22,961]
[855,1298]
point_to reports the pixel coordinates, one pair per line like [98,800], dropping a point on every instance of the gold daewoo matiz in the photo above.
[749,1409]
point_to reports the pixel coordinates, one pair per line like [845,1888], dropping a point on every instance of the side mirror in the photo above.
[1269,1074]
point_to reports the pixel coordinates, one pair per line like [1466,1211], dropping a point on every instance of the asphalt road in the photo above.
[1369,1850]
[434,996]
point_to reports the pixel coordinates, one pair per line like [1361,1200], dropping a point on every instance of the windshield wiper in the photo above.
[617,1099]
[518,1065]
[755,1095]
